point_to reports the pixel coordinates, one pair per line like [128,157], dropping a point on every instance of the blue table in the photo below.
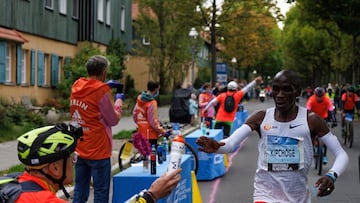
[133,180]
[210,165]
[240,118]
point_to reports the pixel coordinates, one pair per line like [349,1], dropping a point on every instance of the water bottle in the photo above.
[177,150]
[165,146]
[203,128]
[160,154]
[153,160]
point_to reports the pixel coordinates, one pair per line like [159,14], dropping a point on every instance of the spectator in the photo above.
[145,113]
[224,118]
[205,97]
[92,106]
[193,108]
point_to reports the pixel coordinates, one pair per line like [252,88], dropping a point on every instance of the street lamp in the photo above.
[233,61]
[193,35]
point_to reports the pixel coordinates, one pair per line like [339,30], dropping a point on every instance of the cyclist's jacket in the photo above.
[92,106]
[222,115]
[320,108]
[349,101]
[285,154]
[145,115]
[43,196]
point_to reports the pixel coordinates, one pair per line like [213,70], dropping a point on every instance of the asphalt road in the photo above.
[237,184]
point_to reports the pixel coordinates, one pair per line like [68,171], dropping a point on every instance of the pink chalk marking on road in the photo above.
[215,187]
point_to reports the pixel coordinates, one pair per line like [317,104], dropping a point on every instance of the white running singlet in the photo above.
[285,155]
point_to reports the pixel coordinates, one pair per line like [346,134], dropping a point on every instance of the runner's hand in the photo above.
[208,145]
[325,186]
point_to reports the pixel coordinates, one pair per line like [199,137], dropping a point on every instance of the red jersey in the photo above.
[320,108]
[349,101]
[223,115]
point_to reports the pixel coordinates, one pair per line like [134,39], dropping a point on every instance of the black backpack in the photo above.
[229,104]
[10,188]
[179,107]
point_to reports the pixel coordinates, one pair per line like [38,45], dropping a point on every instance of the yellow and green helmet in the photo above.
[45,145]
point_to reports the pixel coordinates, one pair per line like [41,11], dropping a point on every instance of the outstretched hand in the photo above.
[208,145]
[165,184]
[325,186]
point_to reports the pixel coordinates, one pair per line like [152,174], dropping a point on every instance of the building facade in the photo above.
[37,37]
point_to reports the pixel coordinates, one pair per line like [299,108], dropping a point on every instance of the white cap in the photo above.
[232,85]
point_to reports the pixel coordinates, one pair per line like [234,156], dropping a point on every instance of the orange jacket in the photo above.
[145,115]
[92,106]
[43,196]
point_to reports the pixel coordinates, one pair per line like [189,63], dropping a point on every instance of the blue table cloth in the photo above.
[133,180]
[240,118]
[210,165]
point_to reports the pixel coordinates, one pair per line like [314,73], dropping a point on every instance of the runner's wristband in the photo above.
[332,175]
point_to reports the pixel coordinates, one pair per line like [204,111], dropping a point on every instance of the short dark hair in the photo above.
[96,65]
[152,85]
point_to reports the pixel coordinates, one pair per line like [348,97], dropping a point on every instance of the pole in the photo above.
[192,64]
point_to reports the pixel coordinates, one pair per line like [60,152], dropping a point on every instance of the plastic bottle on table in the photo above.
[165,146]
[153,160]
[177,150]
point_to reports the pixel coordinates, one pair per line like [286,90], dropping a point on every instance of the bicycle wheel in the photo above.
[128,155]
[194,157]
[350,136]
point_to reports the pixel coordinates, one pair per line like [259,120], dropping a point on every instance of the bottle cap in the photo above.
[179,138]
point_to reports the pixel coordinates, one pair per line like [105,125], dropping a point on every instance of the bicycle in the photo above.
[348,131]
[129,155]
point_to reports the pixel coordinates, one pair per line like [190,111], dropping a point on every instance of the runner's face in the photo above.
[284,93]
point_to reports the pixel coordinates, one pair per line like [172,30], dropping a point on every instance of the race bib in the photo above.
[283,153]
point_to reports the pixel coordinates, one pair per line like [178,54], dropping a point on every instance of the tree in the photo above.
[165,24]
[346,16]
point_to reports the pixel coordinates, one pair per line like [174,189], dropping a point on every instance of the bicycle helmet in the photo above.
[351,89]
[319,91]
[232,85]
[45,145]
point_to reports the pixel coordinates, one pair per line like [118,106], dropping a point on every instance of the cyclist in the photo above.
[321,104]
[49,158]
[349,101]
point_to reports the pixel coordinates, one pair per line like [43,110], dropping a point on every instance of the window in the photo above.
[62,6]
[23,67]
[49,4]
[75,7]
[8,63]
[108,12]
[54,70]
[122,25]
[101,10]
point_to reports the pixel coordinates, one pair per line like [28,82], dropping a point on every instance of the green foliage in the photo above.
[13,169]
[166,27]
[124,134]
[77,69]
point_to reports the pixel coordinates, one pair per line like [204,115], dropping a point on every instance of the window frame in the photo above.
[100,11]
[108,12]
[63,7]
[75,9]
[49,4]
